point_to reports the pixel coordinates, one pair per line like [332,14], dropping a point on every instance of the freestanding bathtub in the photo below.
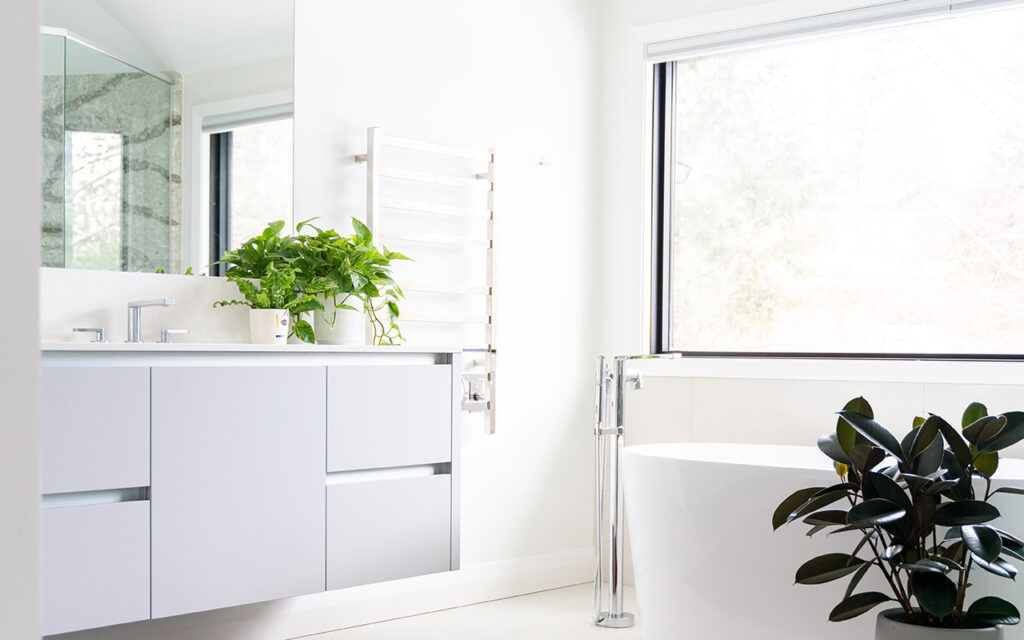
[708,566]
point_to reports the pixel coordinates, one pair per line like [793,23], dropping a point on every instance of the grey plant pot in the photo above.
[888,627]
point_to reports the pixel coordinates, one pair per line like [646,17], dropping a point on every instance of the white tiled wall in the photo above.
[781,411]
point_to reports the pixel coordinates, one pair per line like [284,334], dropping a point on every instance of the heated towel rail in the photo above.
[389,214]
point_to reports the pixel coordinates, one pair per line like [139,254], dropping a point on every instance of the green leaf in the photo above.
[984,542]
[875,512]
[926,565]
[973,413]
[993,611]
[891,551]
[866,457]
[998,567]
[955,441]
[1011,434]
[827,568]
[874,432]
[855,580]
[963,512]
[846,434]
[876,485]
[791,504]
[987,463]
[923,438]
[935,592]
[857,604]
[829,445]
[826,518]
[362,230]
[984,429]
[1013,490]
[304,331]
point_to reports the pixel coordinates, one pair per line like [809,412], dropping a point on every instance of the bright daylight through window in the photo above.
[860,193]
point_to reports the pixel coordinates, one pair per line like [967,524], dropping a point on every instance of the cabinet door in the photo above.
[95,428]
[388,416]
[94,565]
[388,529]
[238,485]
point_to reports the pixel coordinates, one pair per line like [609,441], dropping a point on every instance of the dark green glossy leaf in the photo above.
[817,501]
[829,445]
[930,460]
[955,514]
[984,429]
[855,580]
[874,432]
[1013,549]
[874,512]
[954,440]
[827,568]
[993,611]
[984,542]
[974,412]
[857,604]
[847,435]
[866,457]
[304,331]
[1013,490]
[999,567]
[826,518]
[923,438]
[816,529]
[876,485]
[1011,434]
[935,592]
[791,504]
[954,471]
[927,565]
[891,551]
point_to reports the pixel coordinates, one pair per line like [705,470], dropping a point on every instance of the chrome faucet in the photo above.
[135,316]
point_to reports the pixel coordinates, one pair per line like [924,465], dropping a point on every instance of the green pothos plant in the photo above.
[350,272]
[921,514]
[319,271]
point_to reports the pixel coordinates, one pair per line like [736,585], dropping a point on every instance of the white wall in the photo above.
[88,20]
[19,355]
[520,77]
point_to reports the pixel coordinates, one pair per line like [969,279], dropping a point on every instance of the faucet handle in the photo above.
[165,335]
[101,334]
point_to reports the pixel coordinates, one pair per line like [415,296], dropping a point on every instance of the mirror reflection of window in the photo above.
[250,182]
[94,197]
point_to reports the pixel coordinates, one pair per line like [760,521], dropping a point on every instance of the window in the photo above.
[858,192]
[94,200]
[250,181]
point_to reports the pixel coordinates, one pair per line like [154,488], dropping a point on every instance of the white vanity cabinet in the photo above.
[238,485]
[184,478]
[94,425]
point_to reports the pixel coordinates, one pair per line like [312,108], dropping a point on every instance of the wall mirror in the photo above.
[167,130]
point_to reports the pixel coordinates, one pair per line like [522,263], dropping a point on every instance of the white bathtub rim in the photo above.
[776,456]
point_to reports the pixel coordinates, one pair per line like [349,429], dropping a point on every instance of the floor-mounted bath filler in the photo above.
[609,442]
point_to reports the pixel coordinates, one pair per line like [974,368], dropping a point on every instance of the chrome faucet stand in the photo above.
[608,493]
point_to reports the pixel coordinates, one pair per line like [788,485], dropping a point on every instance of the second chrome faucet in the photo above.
[135,316]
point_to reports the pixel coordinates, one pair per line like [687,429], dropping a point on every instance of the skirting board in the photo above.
[321,612]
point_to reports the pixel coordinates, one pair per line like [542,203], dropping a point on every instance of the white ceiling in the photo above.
[190,36]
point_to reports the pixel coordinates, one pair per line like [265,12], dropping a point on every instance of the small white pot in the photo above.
[268,326]
[889,627]
[349,327]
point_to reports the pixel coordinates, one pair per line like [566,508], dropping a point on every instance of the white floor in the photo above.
[557,614]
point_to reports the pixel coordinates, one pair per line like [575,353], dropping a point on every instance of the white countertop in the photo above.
[207,347]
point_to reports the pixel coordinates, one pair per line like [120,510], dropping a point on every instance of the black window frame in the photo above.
[662,209]
[220,199]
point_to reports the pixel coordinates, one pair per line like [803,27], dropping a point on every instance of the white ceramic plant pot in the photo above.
[889,627]
[349,327]
[268,326]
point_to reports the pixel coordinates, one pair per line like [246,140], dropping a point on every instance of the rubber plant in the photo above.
[920,512]
[349,272]
[262,270]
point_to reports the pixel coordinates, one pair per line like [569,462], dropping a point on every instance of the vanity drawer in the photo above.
[388,529]
[95,565]
[95,428]
[388,416]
